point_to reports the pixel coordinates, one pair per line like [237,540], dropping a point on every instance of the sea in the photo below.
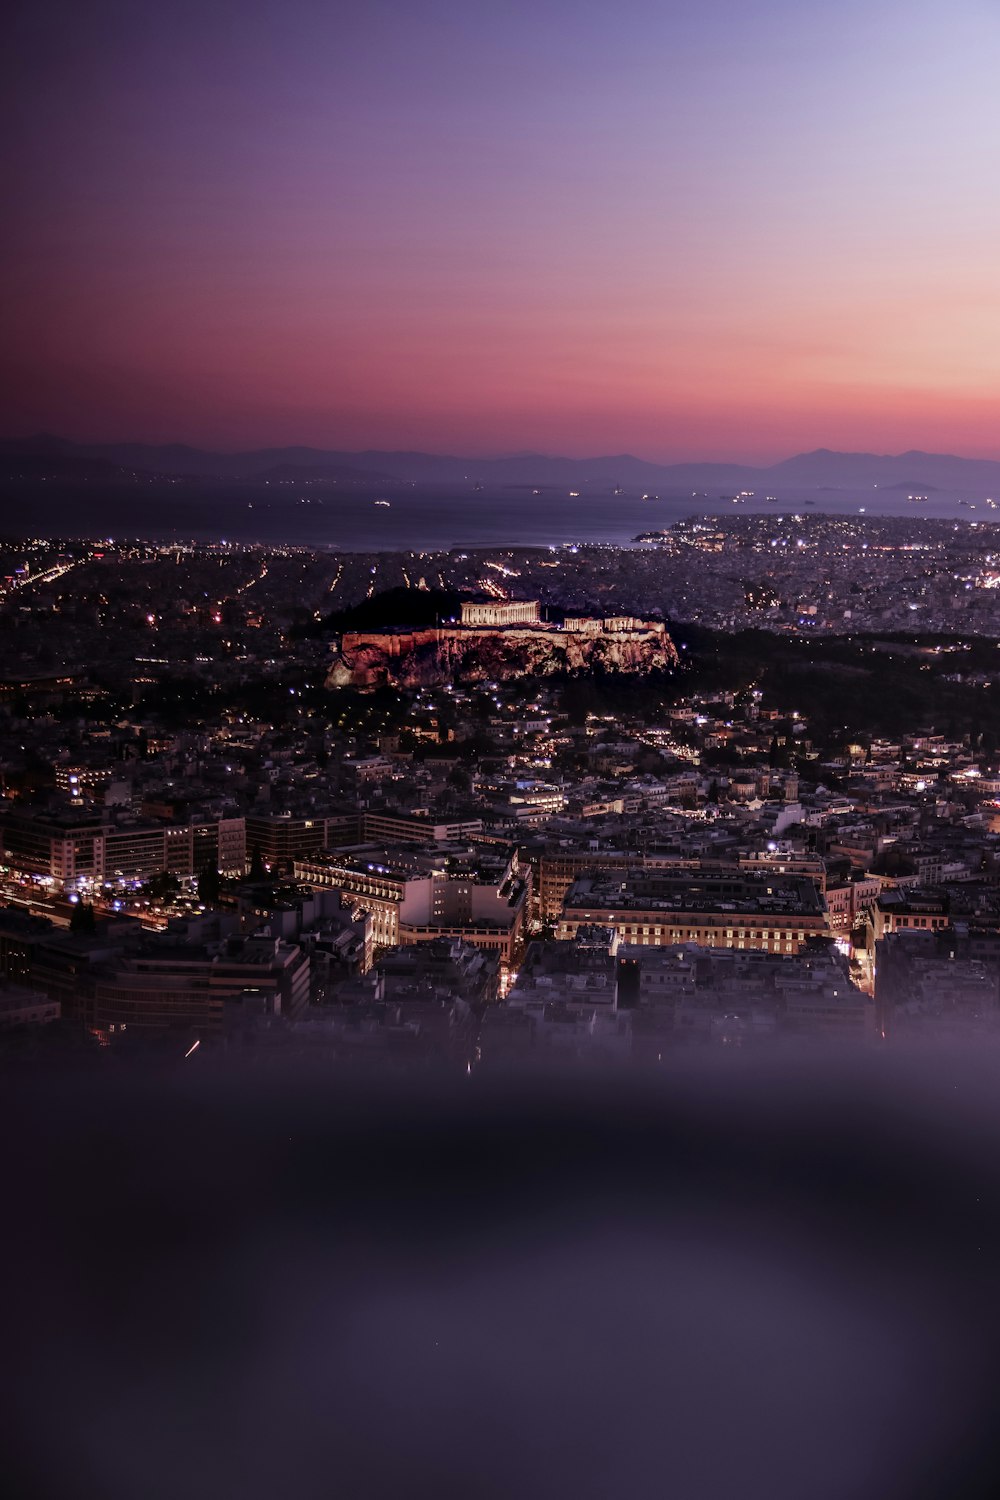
[426,518]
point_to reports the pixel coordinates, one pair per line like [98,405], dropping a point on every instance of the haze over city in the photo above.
[690,232]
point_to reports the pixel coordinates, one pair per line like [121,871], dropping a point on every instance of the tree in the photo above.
[459,778]
[209,885]
[162,885]
[83,923]
[777,754]
[258,869]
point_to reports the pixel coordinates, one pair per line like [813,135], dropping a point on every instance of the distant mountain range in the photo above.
[54,458]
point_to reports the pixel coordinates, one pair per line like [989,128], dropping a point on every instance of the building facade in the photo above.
[655,909]
[507,612]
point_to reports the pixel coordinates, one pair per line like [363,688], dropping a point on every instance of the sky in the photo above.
[687,230]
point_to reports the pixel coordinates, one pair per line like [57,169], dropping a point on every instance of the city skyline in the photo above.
[500,748]
[721,235]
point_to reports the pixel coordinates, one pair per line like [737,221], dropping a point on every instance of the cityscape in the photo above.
[500,750]
[442,810]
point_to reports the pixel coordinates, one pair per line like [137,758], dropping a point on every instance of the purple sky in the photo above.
[689,230]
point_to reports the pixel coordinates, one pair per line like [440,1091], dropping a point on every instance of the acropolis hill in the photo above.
[495,640]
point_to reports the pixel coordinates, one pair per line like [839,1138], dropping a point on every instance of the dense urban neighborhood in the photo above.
[468,810]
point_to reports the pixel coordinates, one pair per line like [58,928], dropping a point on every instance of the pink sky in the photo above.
[684,232]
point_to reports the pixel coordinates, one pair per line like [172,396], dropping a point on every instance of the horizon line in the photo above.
[494,457]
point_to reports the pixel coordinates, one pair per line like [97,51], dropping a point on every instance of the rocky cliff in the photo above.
[426,658]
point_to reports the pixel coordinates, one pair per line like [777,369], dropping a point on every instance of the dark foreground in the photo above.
[765,1280]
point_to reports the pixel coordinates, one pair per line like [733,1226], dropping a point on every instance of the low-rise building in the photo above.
[731,909]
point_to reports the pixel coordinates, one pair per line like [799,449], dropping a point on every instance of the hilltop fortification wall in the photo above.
[462,653]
